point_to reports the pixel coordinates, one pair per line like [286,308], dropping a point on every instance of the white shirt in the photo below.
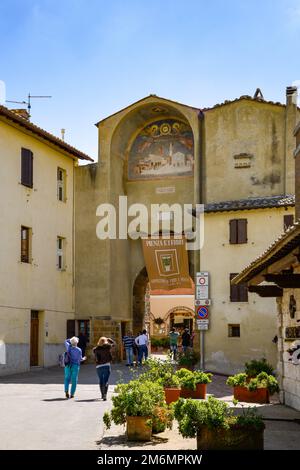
[142,340]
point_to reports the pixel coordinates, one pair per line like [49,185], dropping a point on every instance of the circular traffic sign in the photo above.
[202,280]
[202,312]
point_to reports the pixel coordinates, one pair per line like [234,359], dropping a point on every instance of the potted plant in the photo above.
[255,367]
[193,384]
[187,360]
[162,419]
[216,427]
[253,390]
[171,384]
[136,405]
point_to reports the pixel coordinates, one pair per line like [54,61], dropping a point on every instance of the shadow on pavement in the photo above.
[111,441]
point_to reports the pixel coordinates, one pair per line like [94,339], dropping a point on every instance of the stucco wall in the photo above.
[257,317]
[289,372]
[37,285]
[261,130]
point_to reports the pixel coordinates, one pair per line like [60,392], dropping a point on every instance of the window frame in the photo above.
[231,327]
[60,253]
[238,293]
[26,258]
[27,167]
[238,231]
[61,184]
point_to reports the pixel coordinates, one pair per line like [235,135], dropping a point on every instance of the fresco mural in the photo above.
[162,149]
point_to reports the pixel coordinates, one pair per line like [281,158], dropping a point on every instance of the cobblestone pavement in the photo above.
[35,415]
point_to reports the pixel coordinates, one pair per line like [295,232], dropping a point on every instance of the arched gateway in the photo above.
[150,153]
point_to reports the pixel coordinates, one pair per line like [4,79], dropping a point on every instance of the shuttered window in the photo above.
[288,221]
[61,184]
[238,231]
[25,244]
[26,167]
[60,256]
[238,293]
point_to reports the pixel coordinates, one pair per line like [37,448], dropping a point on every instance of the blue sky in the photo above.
[95,57]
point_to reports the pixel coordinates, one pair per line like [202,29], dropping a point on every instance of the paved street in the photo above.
[35,415]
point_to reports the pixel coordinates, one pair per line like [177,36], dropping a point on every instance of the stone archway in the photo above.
[141,301]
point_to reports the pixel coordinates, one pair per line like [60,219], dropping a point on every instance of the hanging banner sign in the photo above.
[167,263]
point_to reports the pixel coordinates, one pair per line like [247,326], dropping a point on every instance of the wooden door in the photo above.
[34,340]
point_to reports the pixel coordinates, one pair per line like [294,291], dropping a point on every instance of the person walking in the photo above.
[73,367]
[174,335]
[142,343]
[129,342]
[186,340]
[103,358]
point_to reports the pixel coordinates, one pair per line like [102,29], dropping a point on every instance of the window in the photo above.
[238,293]
[27,168]
[61,184]
[60,263]
[234,331]
[25,244]
[238,231]
[288,221]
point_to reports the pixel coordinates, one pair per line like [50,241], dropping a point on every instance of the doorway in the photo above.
[34,338]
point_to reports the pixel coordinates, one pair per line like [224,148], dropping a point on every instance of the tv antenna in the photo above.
[28,102]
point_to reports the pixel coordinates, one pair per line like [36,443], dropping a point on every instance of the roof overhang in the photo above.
[11,118]
[280,255]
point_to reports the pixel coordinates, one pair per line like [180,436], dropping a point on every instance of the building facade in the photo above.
[37,243]
[276,273]
[157,151]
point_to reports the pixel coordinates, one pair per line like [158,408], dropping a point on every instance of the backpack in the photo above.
[64,359]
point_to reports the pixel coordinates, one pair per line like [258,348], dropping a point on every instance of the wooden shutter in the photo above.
[233,231]
[243,293]
[234,290]
[27,167]
[288,221]
[242,230]
[70,328]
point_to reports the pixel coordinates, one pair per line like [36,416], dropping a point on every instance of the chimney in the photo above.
[23,113]
[290,124]
[297,171]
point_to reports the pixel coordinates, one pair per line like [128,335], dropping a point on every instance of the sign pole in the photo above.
[202,361]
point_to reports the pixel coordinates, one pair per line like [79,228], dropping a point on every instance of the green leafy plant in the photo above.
[162,342]
[169,380]
[262,380]
[155,369]
[193,415]
[237,380]
[137,398]
[189,379]
[255,367]
[189,358]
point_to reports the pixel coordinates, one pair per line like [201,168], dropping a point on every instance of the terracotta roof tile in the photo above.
[20,121]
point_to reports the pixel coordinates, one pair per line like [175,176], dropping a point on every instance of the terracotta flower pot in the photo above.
[172,394]
[234,438]
[261,395]
[200,392]
[138,428]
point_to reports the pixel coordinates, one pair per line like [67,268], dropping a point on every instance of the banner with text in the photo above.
[167,263]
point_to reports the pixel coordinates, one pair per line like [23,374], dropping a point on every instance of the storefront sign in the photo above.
[167,263]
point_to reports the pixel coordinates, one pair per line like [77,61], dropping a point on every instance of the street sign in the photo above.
[202,302]
[202,279]
[202,324]
[202,292]
[202,312]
